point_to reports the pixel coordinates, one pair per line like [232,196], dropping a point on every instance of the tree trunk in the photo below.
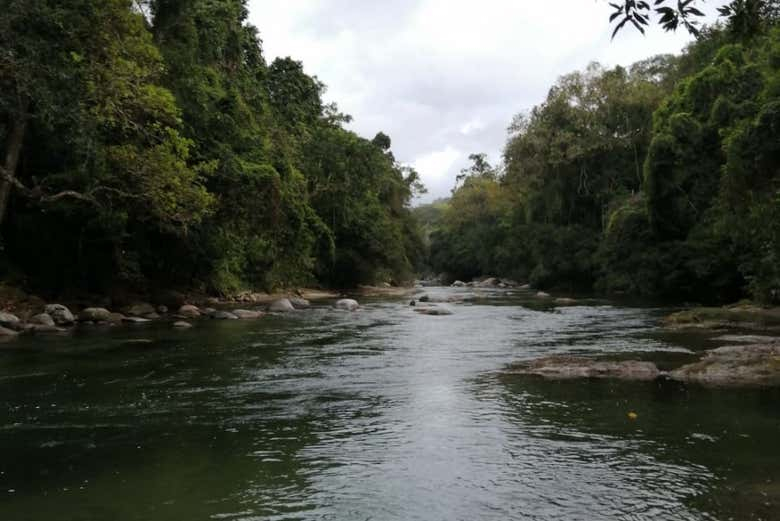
[13,150]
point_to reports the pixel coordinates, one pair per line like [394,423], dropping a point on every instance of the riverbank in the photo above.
[23,313]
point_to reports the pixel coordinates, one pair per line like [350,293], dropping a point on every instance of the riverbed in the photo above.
[381,414]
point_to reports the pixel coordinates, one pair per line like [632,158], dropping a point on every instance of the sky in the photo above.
[444,78]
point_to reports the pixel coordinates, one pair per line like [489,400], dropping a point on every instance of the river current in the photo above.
[381,414]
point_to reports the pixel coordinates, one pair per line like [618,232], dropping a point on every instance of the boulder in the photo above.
[300,303]
[224,315]
[189,311]
[44,329]
[141,309]
[571,367]
[182,325]
[542,294]
[9,320]
[750,365]
[95,315]
[209,312]
[347,304]
[424,298]
[42,319]
[60,314]
[458,284]
[136,320]
[116,318]
[282,305]
[525,287]
[491,282]
[151,316]
[244,314]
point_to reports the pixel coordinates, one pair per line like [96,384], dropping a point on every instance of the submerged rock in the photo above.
[95,315]
[433,311]
[283,305]
[224,315]
[542,294]
[571,367]
[182,325]
[347,304]
[42,319]
[7,333]
[44,329]
[752,365]
[189,311]
[244,314]
[60,314]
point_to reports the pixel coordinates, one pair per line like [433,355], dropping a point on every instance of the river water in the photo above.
[382,414]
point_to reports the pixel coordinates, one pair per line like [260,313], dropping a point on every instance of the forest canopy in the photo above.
[150,142]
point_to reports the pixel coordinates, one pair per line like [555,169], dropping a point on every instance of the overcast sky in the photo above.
[443,78]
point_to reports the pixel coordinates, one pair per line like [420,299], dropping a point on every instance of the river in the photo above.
[382,414]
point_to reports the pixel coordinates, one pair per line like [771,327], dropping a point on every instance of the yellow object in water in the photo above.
[633,416]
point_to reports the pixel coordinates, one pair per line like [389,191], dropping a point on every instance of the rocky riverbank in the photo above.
[21,313]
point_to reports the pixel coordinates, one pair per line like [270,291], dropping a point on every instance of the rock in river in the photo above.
[42,319]
[347,304]
[7,333]
[752,365]
[570,367]
[61,315]
[224,315]
[189,311]
[182,325]
[433,311]
[9,320]
[283,305]
[95,315]
[140,309]
[300,303]
[244,314]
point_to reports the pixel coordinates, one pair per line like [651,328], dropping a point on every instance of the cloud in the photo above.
[444,78]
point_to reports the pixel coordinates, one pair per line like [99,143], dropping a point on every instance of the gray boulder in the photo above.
[542,294]
[730,366]
[135,320]
[42,319]
[141,309]
[458,284]
[189,311]
[95,315]
[282,305]
[347,304]
[571,367]
[60,314]
[300,303]
[244,314]
[9,320]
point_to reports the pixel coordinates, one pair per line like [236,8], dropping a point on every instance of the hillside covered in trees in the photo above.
[658,180]
[149,143]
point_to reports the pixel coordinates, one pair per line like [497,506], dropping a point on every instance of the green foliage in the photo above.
[161,148]
[660,181]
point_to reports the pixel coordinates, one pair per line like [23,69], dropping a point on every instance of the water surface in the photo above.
[381,414]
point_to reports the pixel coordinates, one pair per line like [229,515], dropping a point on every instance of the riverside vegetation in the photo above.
[659,180]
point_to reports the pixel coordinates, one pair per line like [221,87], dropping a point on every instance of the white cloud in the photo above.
[444,78]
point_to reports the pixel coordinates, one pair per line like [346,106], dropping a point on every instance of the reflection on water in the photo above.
[381,414]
